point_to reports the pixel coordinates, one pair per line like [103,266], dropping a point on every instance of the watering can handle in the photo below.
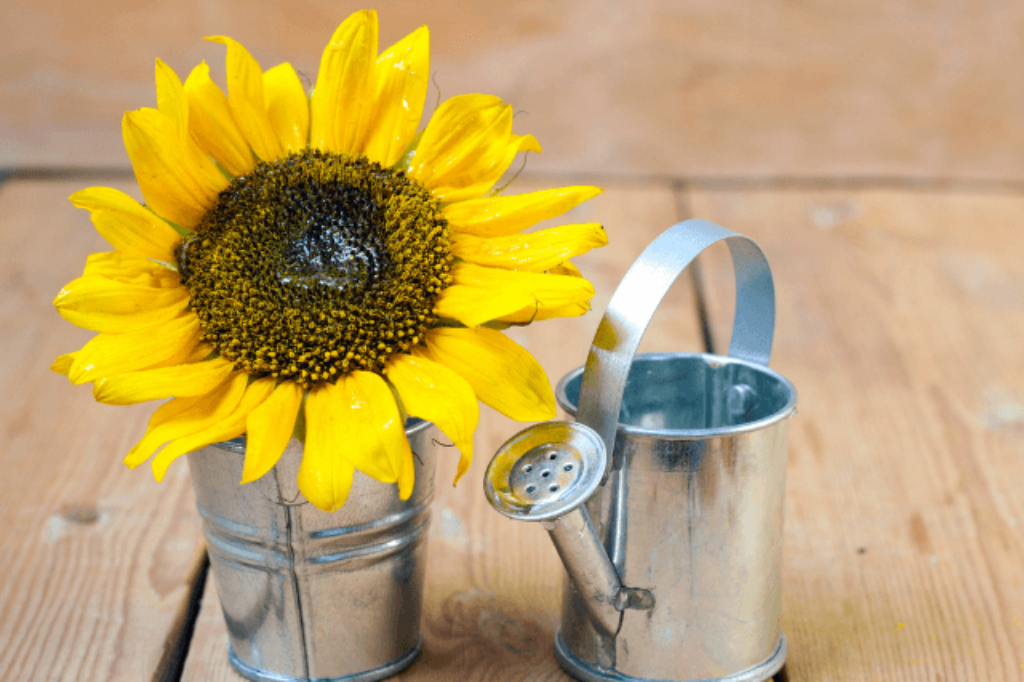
[640,293]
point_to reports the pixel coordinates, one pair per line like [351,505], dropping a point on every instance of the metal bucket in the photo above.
[310,595]
[674,559]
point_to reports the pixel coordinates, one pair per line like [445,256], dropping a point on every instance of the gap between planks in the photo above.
[179,640]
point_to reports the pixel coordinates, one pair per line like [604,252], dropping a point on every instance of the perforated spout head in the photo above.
[545,471]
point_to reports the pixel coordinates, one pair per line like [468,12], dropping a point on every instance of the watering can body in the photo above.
[691,511]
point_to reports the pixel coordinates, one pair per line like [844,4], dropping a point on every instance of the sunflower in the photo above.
[313,265]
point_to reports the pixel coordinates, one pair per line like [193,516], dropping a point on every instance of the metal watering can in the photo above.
[673,545]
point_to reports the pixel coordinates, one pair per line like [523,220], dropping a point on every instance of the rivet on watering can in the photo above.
[739,400]
[545,473]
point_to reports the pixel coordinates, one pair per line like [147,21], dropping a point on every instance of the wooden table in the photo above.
[875,153]
[901,314]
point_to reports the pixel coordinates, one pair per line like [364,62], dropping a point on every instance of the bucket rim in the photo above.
[788,410]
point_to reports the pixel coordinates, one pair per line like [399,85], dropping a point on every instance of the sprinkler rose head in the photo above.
[545,471]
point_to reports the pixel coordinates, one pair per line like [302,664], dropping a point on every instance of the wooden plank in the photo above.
[98,561]
[900,322]
[800,88]
[492,599]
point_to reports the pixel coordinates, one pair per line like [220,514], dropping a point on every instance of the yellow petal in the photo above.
[474,306]
[500,371]
[325,479]
[533,313]
[287,107]
[178,181]
[343,98]
[433,392]
[178,381]
[325,476]
[373,399]
[402,73]
[200,353]
[170,98]
[357,419]
[269,428]
[566,268]
[106,305]
[117,266]
[407,476]
[62,365]
[186,416]
[504,215]
[246,100]
[227,427]
[109,354]
[480,294]
[212,125]
[162,169]
[535,251]
[467,146]
[127,225]
[147,316]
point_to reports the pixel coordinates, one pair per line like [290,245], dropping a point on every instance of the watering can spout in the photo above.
[545,474]
[592,573]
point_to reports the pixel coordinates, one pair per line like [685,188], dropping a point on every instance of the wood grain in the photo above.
[900,323]
[649,87]
[493,593]
[97,561]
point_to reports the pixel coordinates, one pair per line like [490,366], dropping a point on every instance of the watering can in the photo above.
[664,499]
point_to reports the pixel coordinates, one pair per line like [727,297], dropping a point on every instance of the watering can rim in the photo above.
[788,410]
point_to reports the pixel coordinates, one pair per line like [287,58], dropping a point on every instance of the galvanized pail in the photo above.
[310,595]
[688,508]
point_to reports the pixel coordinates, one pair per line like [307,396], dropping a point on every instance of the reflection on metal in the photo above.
[684,532]
[309,595]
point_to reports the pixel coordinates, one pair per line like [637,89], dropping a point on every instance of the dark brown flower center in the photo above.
[315,265]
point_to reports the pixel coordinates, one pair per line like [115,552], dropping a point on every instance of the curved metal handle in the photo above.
[640,293]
